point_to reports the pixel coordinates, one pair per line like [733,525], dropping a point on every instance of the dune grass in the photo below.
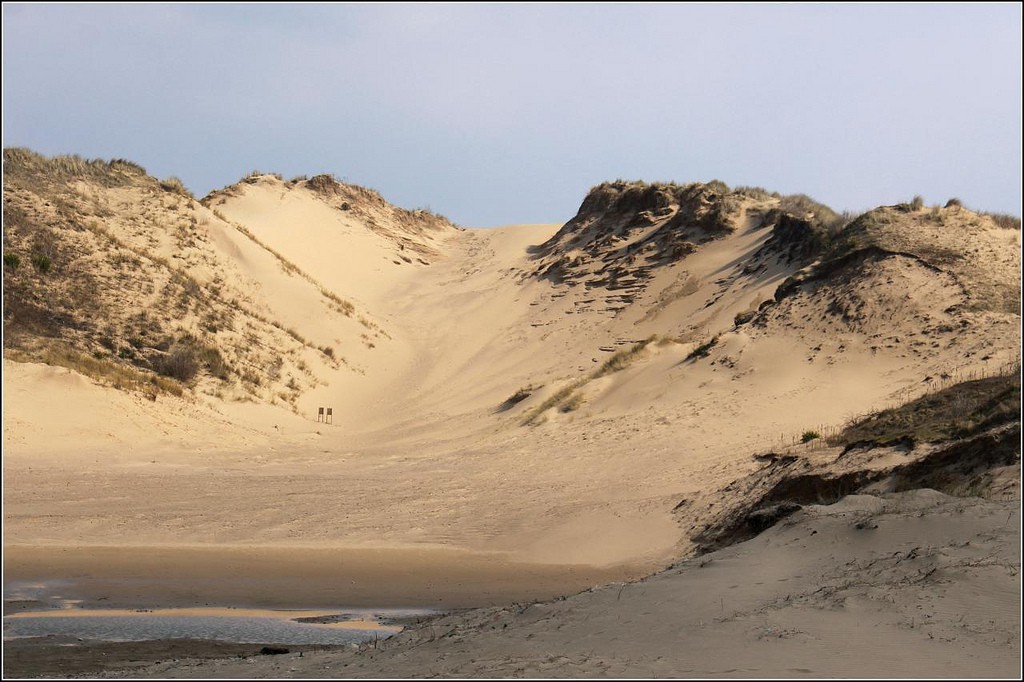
[106,371]
[567,398]
[955,412]
[562,395]
[704,349]
[26,165]
[623,358]
[341,305]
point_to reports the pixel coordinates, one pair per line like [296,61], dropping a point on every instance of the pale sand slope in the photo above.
[910,585]
[420,455]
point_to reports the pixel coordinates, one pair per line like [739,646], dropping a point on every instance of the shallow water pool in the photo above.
[224,624]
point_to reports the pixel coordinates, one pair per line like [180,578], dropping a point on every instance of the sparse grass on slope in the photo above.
[563,394]
[955,412]
[28,166]
[341,305]
[567,398]
[623,358]
[973,432]
[105,371]
[107,271]
[518,397]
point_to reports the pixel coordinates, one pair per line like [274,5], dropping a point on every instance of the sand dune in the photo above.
[420,451]
[542,395]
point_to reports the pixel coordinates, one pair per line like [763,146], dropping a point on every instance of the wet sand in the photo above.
[69,656]
[287,577]
[117,578]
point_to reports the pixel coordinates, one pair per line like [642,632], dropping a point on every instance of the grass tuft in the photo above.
[704,349]
[808,436]
[623,358]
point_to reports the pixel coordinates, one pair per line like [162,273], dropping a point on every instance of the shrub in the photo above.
[180,363]
[521,395]
[800,205]
[41,262]
[214,362]
[743,318]
[173,184]
[324,184]
[808,436]
[917,203]
[954,203]
[717,186]
[296,335]
[1005,220]
[753,192]
[251,377]
[12,260]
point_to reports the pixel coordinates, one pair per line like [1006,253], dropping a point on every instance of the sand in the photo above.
[429,487]
[910,585]
[61,657]
[281,578]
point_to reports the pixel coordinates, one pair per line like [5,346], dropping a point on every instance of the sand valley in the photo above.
[580,429]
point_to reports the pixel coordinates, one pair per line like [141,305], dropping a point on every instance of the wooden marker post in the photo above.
[330,415]
[320,415]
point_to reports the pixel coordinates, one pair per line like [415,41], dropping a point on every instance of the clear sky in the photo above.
[502,113]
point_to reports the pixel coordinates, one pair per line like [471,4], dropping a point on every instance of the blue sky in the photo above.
[502,113]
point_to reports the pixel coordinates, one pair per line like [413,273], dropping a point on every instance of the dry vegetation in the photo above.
[569,397]
[412,230]
[107,271]
[338,303]
[959,440]
[959,411]
[116,375]
[624,232]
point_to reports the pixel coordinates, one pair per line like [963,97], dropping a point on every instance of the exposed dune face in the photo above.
[547,392]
